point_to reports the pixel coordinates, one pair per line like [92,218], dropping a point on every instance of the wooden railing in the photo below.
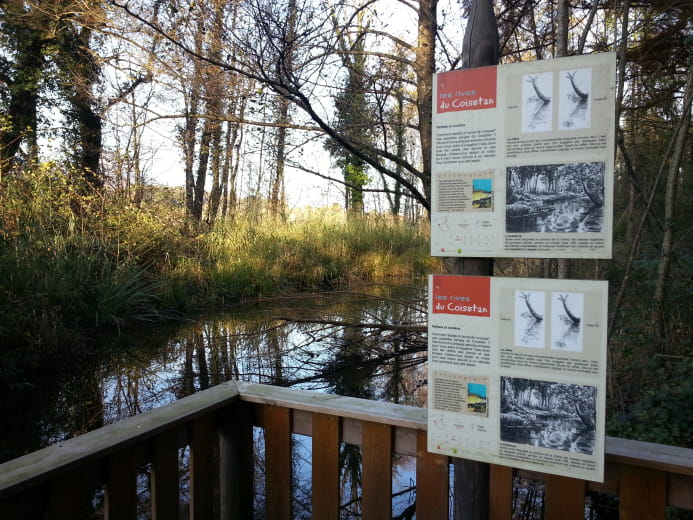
[134,465]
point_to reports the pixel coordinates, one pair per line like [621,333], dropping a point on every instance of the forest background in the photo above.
[248,97]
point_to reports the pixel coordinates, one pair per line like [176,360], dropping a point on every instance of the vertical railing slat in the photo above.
[376,502]
[165,477]
[432,482]
[68,496]
[643,493]
[25,505]
[501,492]
[325,459]
[565,498]
[237,462]
[121,486]
[278,462]
[202,468]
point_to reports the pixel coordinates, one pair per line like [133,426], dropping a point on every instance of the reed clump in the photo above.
[249,258]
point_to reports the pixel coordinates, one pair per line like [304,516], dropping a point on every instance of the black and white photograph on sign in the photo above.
[537,111]
[574,105]
[548,414]
[555,198]
[529,319]
[567,310]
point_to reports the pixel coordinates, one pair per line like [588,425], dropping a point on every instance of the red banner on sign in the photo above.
[467,295]
[471,89]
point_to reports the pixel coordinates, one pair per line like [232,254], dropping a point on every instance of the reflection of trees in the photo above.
[355,344]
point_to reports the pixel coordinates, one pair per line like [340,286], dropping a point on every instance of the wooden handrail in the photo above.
[223,416]
[41,465]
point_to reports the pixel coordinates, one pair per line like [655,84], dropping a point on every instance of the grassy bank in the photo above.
[72,263]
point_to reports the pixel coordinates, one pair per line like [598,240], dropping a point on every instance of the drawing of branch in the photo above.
[582,95]
[573,318]
[540,95]
[535,315]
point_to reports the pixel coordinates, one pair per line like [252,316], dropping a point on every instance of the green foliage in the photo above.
[665,412]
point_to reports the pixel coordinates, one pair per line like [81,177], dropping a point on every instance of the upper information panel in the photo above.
[523,158]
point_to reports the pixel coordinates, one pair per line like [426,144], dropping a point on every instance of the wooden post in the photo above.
[278,462]
[480,48]
[433,471]
[202,476]
[236,462]
[165,476]
[325,496]
[376,500]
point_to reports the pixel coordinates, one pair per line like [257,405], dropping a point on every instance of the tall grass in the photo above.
[73,262]
[252,258]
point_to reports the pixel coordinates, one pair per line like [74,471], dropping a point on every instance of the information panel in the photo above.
[522,159]
[517,372]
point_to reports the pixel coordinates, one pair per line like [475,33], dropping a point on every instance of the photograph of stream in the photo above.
[548,414]
[555,198]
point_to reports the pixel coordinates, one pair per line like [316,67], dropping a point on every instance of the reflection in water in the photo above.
[558,433]
[564,216]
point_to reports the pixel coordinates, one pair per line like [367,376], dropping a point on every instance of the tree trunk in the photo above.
[670,207]
[208,131]
[188,138]
[562,18]
[425,67]
[215,168]
[21,114]
[480,48]
[277,189]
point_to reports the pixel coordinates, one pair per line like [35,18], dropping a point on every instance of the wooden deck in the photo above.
[110,466]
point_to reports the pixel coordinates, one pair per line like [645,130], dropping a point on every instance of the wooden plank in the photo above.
[565,498]
[331,404]
[26,505]
[680,491]
[68,496]
[501,492]
[432,482]
[121,486]
[649,455]
[471,489]
[643,493]
[376,501]
[278,462]
[236,462]
[325,459]
[165,477]
[202,481]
